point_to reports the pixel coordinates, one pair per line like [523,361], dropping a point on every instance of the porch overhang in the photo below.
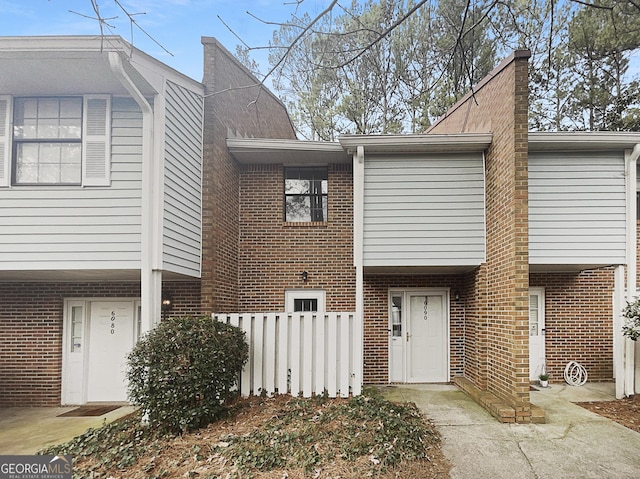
[81,275]
[566,268]
[418,270]
[421,143]
[286,152]
[582,141]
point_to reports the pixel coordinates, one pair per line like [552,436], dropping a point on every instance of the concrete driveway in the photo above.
[27,430]
[574,443]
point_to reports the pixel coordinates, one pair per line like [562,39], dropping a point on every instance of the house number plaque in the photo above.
[113,322]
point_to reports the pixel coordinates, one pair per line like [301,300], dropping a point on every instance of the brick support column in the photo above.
[499,105]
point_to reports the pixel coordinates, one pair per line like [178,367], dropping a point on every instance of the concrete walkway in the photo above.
[574,443]
[27,430]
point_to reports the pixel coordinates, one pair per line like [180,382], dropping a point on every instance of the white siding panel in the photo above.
[80,228]
[182,225]
[576,208]
[424,210]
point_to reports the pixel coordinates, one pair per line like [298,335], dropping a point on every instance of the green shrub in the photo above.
[182,372]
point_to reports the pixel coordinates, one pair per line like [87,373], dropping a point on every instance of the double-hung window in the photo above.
[305,194]
[55,140]
[47,141]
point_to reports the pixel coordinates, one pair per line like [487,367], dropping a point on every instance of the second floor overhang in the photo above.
[69,65]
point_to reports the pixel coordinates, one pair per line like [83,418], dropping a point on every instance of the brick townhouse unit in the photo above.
[475,253]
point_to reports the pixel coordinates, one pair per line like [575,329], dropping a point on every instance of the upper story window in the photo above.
[305,194]
[55,140]
[47,141]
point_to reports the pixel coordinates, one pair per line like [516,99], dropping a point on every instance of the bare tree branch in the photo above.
[592,5]
[385,33]
[235,34]
[288,48]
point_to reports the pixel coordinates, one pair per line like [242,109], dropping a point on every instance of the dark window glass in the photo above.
[305,194]
[302,305]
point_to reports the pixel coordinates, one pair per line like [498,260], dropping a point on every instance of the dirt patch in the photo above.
[623,411]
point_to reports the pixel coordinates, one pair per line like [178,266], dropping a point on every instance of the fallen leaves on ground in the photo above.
[280,437]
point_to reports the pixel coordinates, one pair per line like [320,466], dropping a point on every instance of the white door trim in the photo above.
[535,369]
[75,369]
[406,294]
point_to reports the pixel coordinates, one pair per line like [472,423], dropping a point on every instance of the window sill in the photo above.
[305,224]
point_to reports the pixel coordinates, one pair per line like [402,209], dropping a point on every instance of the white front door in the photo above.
[419,346]
[536,332]
[111,335]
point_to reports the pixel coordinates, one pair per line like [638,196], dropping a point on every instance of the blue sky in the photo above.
[176,24]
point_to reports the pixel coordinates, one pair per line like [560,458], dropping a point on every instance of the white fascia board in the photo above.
[425,143]
[582,140]
[264,150]
[61,43]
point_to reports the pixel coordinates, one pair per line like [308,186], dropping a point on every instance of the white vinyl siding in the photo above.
[71,227]
[5,139]
[182,225]
[576,208]
[424,210]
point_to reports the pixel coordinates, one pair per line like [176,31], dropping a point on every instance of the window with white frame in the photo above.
[55,140]
[305,300]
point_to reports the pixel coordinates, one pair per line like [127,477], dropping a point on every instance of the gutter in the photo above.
[150,284]
[358,229]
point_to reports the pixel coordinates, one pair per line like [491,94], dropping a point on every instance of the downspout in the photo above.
[150,285]
[628,346]
[358,232]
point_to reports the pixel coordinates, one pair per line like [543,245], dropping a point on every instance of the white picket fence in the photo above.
[300,353]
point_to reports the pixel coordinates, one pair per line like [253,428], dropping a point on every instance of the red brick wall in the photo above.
[31,316]
[231,110]
[376,320]
[579,316]
[274,253]
[499,105]
[476,341]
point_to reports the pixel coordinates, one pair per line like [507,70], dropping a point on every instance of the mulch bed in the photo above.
[623,411]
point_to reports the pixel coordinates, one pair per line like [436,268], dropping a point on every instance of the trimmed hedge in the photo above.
[182,372]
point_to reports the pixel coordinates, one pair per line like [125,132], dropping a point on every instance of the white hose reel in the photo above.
[575,374]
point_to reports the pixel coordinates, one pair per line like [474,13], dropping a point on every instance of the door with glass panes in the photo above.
[419,336]
[536,332]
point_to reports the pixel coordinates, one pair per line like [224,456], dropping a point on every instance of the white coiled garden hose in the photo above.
[575,374]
